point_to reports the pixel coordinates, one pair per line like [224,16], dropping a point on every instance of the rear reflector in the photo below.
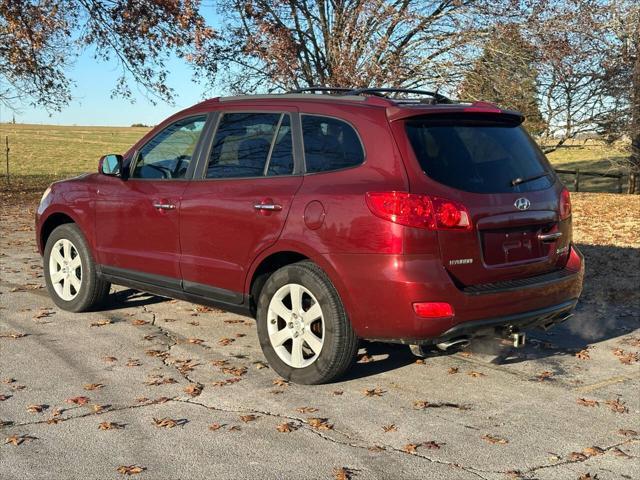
[420,211]
[433,309]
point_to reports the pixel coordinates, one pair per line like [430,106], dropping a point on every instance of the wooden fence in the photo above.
[577,173]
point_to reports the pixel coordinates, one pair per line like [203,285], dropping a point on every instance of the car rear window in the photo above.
[479,156]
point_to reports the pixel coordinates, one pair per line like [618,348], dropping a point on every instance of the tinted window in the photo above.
[242,146]
[482,157]
[168,154]
[330,144]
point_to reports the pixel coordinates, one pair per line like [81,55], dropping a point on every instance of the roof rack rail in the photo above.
[321,89]
[437,97]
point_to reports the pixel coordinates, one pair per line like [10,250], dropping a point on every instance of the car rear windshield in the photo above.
[479,155]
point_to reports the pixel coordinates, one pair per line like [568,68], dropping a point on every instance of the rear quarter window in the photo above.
[478,156]
[330,144]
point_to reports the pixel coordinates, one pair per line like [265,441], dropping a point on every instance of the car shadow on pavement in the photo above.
[129,298]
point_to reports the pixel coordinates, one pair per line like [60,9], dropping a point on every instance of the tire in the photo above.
[312,350]
[70,272]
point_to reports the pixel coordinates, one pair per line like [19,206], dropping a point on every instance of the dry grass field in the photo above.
[40,154]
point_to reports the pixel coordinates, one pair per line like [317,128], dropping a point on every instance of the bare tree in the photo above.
[272,44]
[39,39]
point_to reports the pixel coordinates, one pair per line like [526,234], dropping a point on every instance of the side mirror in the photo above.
[110,165]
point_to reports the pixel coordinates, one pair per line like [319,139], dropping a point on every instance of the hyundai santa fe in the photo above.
[331,216]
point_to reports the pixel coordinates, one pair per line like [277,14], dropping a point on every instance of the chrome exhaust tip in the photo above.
[519,339]
[453,343]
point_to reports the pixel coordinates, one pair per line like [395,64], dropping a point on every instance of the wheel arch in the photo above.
[53,221]
[279,256]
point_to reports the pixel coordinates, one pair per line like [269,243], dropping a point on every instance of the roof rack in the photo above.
[437,98]
[379,92]
[321,89]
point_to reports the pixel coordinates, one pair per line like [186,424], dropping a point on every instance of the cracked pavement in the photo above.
[490,413]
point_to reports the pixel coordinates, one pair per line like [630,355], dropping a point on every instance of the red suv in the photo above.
[377,214]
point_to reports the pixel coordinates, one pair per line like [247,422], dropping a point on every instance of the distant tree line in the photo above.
[572,66]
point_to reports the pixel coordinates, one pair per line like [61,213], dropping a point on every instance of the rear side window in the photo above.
[251,145]
[330,144]
[479,156]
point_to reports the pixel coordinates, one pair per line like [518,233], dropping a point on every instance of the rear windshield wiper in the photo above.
[519,180]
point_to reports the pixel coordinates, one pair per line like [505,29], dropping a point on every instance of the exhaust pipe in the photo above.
[456,342]
[519,339]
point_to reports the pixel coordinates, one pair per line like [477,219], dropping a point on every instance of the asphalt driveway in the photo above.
[162,389]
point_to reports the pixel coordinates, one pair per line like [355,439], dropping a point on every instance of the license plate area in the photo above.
[513,245]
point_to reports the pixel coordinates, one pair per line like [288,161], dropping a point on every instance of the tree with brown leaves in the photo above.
[39,40]
[276,45]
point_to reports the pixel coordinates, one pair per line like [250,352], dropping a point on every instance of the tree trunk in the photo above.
[635,121]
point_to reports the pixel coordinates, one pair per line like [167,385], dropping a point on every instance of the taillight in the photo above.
[565,204]
[420,211]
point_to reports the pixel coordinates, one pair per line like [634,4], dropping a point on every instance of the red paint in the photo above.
[381,267]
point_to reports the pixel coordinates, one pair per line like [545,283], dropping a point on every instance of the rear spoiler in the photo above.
[478,111]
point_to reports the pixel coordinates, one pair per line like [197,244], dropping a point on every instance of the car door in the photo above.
[137,218]
[238,204]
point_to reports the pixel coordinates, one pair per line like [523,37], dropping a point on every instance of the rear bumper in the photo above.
[379,292]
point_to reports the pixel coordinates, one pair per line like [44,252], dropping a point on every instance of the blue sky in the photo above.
[92,103]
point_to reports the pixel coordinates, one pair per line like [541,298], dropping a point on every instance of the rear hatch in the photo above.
[490,165]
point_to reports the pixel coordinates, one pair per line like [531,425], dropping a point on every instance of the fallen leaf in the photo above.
[410,448]
[627,433]
[319,423]
[619,453]
[133,362]
[226,341]
[234,428]
[4,397]
[390,428]
[453,370]
[93,386]
[626,358]
[583,354]
[373,392]
[260,365]
[195,341]
[13,335]
[130,469]
[156,353]
[36,408]
[431,445]
[100,323]
[159,380]
[235,371]
[78,400]
[337,392]
[248,418]
[98,408]
[193,389]
[280,382]
[617,406]
[587,402]
[286,427]
[139,322]
[215,426]
[165,422]
[577,457]
[475,374]
[495,440]
[306,410]
[110,359]
[365,358]
[18,439]
[592,451]
[110,426]
[342,473]
[542,376]
[587,476]
[420,361]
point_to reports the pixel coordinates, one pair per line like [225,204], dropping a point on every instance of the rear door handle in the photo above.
[164,206]
[549,237]
[271,207]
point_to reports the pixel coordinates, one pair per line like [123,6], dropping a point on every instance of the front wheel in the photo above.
[70,272]
[304,331]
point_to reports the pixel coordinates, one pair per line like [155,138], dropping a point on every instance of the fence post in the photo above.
[576,182]
[7,153]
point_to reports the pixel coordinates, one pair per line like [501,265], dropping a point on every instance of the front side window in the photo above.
[330,144]
[169,153]
[251,145]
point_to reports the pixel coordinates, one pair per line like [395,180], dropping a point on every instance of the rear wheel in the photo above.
[70,271]
[303,329]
